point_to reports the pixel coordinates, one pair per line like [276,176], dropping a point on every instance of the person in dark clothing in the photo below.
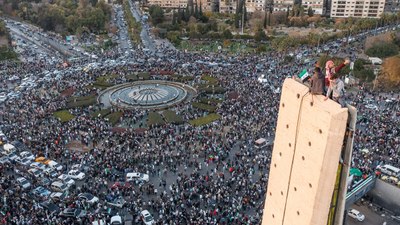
[317,81]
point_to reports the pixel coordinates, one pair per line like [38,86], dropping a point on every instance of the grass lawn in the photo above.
[180,78]
[102,113]
[113,118]
[203,106]
[155,119]
[171,117]
[63,115]
[102,82]
[131,77]
[205,120]
[82,101]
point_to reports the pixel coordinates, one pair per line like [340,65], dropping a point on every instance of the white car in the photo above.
[75,174]
[27,155]
[371,106]
[24,183]
[146,217]
[355,214]
[24,161]
[66,179]
[116,220]
[35,172]
[54,165]
[38,166]
[3,97]
[87,197]
[137,176]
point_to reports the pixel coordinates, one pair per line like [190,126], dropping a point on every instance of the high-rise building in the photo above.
[227,6]
[357,8]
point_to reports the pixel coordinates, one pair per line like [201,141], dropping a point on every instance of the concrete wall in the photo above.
[305,158]
[387,195]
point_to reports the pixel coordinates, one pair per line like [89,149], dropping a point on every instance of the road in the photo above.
[372,217]
[147,41]
[123,36]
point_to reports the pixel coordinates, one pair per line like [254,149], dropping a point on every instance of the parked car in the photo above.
[355,214]
[137,177]
[58,196]
[24,161]
[50,207]
[87,197]
[66,179]
[74,174]
[41,192]
[24,183]
[116,220]
[35,172]
[146,217]
[73,212]
[118,201]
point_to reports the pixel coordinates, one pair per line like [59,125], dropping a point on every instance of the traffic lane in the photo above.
[372,217]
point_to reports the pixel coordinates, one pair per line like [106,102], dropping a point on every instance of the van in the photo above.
[54,165]
[389,170]
[261,143]
[59,186]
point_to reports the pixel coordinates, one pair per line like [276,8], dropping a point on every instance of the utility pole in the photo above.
[244,1]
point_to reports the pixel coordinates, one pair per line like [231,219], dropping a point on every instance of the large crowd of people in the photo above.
[198,175]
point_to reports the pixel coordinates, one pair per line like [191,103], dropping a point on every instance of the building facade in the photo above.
[283,5]
[357,8]
[392,6]
[174,4]
[316,5]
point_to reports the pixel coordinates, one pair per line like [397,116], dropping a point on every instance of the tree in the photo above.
[260,35]
[157,14]
[174,18]
[227,34]
[310,12]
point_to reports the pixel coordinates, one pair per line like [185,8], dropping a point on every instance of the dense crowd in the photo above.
[198,175]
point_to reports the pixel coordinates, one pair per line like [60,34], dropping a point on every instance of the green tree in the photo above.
[260,35]
[310,12]
[227,34]
[157,14]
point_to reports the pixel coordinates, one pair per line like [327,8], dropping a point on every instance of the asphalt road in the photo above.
[372,217]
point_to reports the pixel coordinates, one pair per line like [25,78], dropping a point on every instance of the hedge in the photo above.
[171,117]
[211,80]
[102,113]
[114,118]
[202,106]
[63,115]
[81,101]
[131,77]
[143,76]
[155,119]
[211,101]
[181,78]
[213,90]
[205,120]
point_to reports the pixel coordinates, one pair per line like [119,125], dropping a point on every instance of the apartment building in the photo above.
[175,4]
[227,6]
[283,5]
[357,8]
[316,5]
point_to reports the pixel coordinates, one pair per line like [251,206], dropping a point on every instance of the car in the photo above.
[116,220]
[58,196]
[54,165]
[35,172]
[24,161]
[28,155]
[66,179]
[137,176]
[44,181]
[371,106]
[41,192]
[3,97]
[87,197]
[42,160]
[73,212]
[50,172]
[13,157]
[74,174]
[50,207]
[37,165]
[121,186]
[118,201]
[24,183]
[146,217]
[355,214]
[4,160]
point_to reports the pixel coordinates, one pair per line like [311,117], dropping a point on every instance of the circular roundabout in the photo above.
[150,94]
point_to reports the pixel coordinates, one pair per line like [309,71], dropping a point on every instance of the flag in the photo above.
[303,74]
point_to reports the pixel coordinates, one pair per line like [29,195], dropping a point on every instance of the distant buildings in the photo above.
[357,8]
[334,8]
